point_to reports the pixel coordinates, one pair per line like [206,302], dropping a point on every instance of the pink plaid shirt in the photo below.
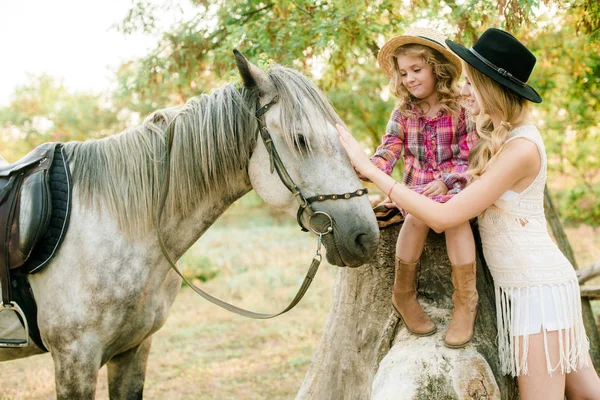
[435,148]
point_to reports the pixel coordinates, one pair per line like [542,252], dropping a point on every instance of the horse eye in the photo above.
[301,142]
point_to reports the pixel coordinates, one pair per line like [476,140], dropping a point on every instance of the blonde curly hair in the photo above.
[445,73]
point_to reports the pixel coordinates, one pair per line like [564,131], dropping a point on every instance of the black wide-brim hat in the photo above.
[500,56]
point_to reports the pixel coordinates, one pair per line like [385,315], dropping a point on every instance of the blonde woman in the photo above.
[428,129]
[541,337]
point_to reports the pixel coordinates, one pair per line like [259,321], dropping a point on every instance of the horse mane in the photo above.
[306,112]
[212,141]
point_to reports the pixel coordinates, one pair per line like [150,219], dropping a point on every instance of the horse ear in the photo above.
[252,75]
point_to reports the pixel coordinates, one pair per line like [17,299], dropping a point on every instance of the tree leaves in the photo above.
[336,42]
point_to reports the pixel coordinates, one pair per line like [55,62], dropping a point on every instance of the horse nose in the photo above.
[365,245]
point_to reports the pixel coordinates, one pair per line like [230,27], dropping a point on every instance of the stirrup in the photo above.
[16,342]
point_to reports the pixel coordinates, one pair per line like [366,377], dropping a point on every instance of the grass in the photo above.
[203,352]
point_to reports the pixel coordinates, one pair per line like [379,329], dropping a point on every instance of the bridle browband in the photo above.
[305,206]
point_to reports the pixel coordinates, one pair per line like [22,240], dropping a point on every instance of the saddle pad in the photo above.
[60,192]
[23,296]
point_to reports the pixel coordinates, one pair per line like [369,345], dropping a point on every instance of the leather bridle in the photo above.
[304,207]
[277,165]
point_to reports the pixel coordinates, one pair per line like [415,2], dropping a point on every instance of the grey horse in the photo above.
[109,287]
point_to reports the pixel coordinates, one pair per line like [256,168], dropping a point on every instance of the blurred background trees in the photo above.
[335,42]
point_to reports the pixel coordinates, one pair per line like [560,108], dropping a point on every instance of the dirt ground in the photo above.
[204,352]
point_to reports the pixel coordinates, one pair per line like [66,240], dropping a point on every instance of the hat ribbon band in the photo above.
[432,40]
[499,70]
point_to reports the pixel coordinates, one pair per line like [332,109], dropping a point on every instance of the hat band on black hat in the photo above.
[499,70]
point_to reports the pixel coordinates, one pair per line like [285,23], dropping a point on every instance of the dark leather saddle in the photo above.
[25,212]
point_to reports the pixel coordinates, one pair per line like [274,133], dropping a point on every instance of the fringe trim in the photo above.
[513,339]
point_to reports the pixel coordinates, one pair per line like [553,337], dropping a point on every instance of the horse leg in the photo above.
[127,372]
[76,373]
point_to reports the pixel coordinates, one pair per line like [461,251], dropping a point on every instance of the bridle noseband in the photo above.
[277,165]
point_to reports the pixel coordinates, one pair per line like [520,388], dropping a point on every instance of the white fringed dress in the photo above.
[536,287]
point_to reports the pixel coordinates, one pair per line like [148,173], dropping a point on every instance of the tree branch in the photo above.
[373,47]
[250,14]
[589,272]
[310,14]
[557,228]
[592,292]
[589,320]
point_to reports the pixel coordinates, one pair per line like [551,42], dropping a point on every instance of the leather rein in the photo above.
[304,207]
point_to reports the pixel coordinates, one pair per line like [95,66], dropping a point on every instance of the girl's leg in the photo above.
[461,252]
[411,239]
[404,293]
[538,383]
[460,244]
[583,384]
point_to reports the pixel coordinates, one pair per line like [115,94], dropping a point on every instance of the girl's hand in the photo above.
[388,203]
[361,162]
[435,188]
[361,176]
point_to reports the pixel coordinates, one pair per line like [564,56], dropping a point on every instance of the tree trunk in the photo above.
[366,352]
[591,329]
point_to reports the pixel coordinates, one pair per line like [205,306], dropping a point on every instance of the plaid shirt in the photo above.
[435,148]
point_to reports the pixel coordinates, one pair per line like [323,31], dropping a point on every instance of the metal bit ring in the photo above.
[329,228]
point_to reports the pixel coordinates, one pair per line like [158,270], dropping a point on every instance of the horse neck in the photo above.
[181,233]
[220,153]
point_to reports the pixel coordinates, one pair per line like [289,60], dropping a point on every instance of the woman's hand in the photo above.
[361,162]
[435,188]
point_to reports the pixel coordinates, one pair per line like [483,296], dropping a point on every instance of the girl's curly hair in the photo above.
[446,76]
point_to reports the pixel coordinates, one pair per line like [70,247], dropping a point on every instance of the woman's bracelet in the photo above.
[392,188]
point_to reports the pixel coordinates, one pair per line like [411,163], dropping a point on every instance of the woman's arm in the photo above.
[466,137]
[519,160]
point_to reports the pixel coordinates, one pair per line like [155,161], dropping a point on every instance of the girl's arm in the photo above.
[392,144]
[518,161]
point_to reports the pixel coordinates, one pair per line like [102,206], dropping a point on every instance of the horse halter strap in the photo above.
[277,165]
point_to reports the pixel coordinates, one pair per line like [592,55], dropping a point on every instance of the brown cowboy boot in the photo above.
[460,330]
[404,300]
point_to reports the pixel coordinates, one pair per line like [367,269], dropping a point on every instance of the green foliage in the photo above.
[589,17]
[44,110]
[197,268]
[336,42]
[580,204]
[568,76]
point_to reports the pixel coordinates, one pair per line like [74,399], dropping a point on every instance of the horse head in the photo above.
[300,142]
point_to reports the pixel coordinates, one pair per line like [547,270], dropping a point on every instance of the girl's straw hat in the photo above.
[500,56]
[424,36]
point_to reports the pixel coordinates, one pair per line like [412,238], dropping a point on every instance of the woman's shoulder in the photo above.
[528,131]
[525,145]
[522,148]
[524,129]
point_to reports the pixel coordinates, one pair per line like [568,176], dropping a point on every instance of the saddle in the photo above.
[387,216]
[25,211]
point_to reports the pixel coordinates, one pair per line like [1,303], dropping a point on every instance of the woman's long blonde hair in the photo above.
[445,73]
[494,99]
